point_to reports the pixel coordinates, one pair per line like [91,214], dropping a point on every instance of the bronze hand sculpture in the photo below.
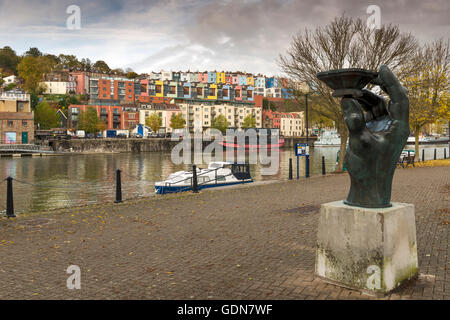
[377,135]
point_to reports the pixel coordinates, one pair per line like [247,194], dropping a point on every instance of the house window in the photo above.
[238,93]
[24,123]
[186,91]
[158,88]
[225,92]
[199,91]
[213,91]
[172,90]
[10,123]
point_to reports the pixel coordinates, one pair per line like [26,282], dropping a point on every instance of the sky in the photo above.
[196,35]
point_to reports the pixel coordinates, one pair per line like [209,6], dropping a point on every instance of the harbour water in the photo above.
[67,180]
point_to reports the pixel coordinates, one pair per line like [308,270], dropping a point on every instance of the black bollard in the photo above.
[434,153]
[323,166]
[445,153]
[118,187]
[194,179]
[307,166]
[9,198]
[290,168]
[423,154]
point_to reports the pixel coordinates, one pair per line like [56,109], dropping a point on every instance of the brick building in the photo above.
[115,117]
[16,118]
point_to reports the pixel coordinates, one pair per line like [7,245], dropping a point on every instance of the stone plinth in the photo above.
[372,250]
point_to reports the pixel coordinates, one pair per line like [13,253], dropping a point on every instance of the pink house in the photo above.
[238,93]
[171,109]
[203,77]
[144,85]
[82,81]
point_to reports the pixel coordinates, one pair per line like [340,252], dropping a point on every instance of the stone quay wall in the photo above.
[135,145]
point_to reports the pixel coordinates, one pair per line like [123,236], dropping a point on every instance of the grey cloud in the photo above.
[218,34]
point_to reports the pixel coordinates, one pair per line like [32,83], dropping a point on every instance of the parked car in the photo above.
[168,135]
[153,135]
[122,136]
[135,135]
[161,135]
[90,136]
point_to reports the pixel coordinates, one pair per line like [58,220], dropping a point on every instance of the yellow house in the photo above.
[250,80]
[220,78]
[159,90]
[212,92]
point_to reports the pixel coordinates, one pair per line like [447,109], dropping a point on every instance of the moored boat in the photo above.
[328,139]
[218,174]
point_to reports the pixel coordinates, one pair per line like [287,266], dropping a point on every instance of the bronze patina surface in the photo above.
[377,131]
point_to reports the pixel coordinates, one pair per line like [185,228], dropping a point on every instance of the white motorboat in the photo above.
[218,174]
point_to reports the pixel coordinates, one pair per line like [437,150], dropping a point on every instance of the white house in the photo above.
[10,79]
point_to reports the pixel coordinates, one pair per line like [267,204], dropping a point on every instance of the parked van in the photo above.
[80,134]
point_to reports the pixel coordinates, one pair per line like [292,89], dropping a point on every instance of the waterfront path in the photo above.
[251,242]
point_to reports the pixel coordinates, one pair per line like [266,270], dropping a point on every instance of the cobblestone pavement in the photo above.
[244,243]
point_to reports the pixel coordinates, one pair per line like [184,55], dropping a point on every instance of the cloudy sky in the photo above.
[149,35]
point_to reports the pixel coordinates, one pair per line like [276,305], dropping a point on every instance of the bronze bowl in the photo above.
[347,82]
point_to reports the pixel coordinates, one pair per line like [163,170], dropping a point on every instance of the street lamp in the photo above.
[305,89]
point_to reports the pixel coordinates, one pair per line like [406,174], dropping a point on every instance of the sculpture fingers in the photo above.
[399,106]
[373,104]
[353,115]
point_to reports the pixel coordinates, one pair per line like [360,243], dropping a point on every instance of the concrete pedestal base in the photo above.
[372,250]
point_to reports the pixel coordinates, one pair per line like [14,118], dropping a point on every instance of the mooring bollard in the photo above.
[9,198]
[323,166]
[423,154]
[118,187]
[194,179]
[445,153]
[290,168]
[434,153]
[307,166]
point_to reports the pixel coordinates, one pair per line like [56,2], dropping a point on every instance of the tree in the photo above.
[67,100]
[249,122]
[132,75]
[102,126]
[8,61]
[33,52]
[86,65]
[67,62]
[428,88]
[177,121]
[89,121]
[154,122]
[344,43]
[118,72]
[34,100]
[46,116]
[220,123]
[10,86]
[101,66]
[31,70]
